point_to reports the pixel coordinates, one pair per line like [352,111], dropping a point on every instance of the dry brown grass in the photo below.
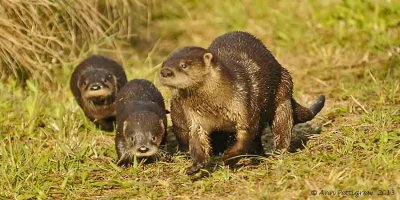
[39,36]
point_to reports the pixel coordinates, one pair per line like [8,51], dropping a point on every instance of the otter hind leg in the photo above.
[282,125]
[244,139]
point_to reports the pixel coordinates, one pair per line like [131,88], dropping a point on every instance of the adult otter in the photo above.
[234,86]
[141,121]
[94,83]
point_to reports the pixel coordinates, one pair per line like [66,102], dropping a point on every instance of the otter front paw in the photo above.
[193,169]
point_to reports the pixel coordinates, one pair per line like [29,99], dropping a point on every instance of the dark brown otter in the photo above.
[141,121]
[234,86]
[94,83]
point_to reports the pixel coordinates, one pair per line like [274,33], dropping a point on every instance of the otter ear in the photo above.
[207,57]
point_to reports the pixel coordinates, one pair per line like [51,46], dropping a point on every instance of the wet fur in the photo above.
[102,115]
[139,100]
[241,91]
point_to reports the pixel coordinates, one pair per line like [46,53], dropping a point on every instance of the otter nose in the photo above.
[166,73]
[143,149]
[95,87]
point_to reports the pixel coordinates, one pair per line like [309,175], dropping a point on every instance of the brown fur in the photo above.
[141,121]
[94,84]
[234,86]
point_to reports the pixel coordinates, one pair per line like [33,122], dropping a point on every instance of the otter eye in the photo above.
[183,65]
[109,76]
[85,83]
[153,138]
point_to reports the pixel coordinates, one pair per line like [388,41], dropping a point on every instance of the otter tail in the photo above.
[302,114]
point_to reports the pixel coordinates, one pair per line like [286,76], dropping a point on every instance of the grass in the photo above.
[347,50]
[37,38]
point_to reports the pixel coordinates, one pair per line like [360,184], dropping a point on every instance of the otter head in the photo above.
[186,67]
[97,86]
[142,133]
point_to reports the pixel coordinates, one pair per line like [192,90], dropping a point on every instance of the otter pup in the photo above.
[234,86]
[141,121]
[94,83]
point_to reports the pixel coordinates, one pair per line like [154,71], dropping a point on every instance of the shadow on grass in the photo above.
[302,133]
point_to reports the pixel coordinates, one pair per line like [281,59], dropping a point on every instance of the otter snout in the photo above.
[165,73]
[95,86]
[143,149]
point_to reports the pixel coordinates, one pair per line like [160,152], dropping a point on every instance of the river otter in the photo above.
[94,83]
[234,86]
[141,121]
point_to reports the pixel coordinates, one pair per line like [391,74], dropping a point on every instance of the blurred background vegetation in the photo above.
[40,38]
[348,50]
[44,39]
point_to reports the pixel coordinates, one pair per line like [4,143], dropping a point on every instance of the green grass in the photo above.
[347,50]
